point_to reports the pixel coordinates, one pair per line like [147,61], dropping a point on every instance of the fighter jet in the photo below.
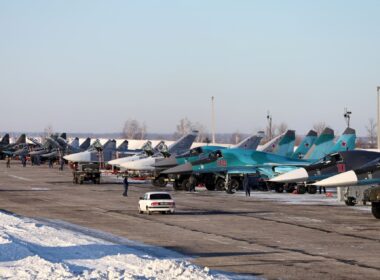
[95,153]
[182,145]
[146,151]
[338,160]
[9,149]
[366,174]
[235,162]
[249,143]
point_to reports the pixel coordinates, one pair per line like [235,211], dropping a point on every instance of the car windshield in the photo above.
[157,196]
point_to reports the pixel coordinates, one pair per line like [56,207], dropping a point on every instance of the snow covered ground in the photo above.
[34,249]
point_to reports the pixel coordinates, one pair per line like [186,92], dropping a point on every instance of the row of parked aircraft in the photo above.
[221,168]
[317,161]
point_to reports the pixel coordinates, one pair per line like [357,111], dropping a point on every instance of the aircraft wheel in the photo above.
[376,209]
[280,189]
[301,189]
[233,186]
[289,188]
[350,201]
[220,185]
[185,185]
[177,186]
[210,186]
[161,182]
[312,189]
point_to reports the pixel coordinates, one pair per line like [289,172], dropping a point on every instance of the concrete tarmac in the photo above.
[225,232]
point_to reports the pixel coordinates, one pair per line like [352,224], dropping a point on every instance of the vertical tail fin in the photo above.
[251,142]
[183,144]
[286,145]
[21,139]
[5,139]
[322,146]
[305,145]
[346,142]
[86,144]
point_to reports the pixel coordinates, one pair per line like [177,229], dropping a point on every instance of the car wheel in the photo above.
[147,210]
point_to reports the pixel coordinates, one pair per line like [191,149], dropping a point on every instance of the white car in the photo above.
[156,202]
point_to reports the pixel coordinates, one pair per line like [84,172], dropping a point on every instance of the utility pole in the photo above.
[269,119]
[213,118]
[378,118]
[347,116]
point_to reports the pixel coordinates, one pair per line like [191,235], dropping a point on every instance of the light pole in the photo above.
[378,118]
[269,118]
[347,116]
[213,118]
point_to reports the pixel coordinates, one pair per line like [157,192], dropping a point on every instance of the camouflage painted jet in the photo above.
[235,162]
[338,160]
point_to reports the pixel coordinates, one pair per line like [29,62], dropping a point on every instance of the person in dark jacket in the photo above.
[126,185]
[246,186]
[192,183]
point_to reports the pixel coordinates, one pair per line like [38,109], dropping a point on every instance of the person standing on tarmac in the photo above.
[320,189]
[246,186]
[8,161]
[126,185]
[192,183]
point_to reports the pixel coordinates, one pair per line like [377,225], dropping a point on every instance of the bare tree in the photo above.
[202,132]
[134,130]
[280,129]
[184,127]
[48,131]
[319,127]
[371,132]
[235,138]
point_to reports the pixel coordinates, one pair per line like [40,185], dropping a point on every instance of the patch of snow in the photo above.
[32,249]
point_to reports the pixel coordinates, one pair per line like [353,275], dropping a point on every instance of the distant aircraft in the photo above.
[93,152]
[234,162]
[145,151]
[9,149]
[182,145]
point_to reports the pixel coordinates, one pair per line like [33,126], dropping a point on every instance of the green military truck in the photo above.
[89,172]
[373,195]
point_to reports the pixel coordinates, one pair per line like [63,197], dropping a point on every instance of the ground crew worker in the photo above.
[23,160]
[246,186]
[50,163]
[320,189]
[62,164]
[192,183]
[126,185]
[8,161]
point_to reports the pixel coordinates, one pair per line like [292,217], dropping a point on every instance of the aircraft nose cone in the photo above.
[166,163]
[79,157]
[183,168]
[344,179]
[294,176]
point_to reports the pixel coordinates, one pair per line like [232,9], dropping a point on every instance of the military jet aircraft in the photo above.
[237,161]
[338,160]
[9,149]
[146,163]
[367,174]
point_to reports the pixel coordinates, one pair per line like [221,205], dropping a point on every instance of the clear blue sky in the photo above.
[87,66]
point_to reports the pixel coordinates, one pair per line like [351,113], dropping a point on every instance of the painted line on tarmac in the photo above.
[218,241]
[20,178]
